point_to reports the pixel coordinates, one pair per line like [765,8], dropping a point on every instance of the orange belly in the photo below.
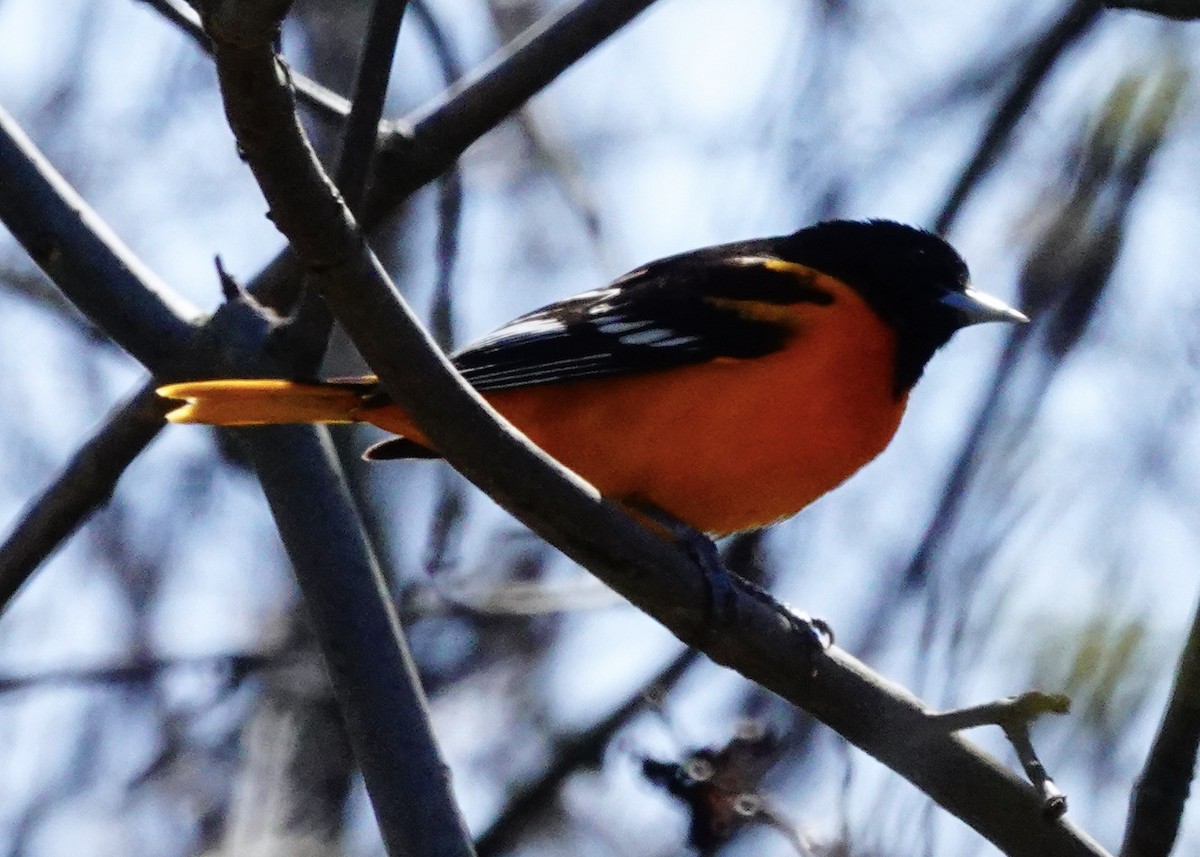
[727,445]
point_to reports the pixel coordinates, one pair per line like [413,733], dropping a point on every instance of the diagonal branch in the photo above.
[83,485]
[373,674]
[1043,56]
[94,268]
[1156,806]
[370,89]
[427,143]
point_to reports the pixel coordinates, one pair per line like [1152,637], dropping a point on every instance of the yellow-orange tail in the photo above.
[257,402]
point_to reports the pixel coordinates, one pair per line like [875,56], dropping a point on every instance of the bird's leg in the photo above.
[1013,715]
[723,584]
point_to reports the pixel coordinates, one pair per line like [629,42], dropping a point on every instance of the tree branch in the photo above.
[427,143]
[370,89]
[327,104]
[374,677]
[312,318]
[1180,10]
[83,485]
[91,265]
[1156,805]
[1015,715]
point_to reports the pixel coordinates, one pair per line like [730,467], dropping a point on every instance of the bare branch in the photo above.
[373,674]
[232,666]
[327,104]
[370,89]
[91,265]
[313,320]
[184,18]
[83,485]
[1180,10]
[1014,715]
[1156,806]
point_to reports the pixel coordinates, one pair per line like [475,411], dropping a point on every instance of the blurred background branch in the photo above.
[1157,804]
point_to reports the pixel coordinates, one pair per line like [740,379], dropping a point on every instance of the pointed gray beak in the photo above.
[976,307]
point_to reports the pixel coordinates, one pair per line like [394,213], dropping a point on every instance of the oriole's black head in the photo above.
[912,278]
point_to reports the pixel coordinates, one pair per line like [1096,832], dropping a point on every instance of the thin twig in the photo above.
[312,321]
[185,18]
[1014,715]
[327,104]
[1002,712]
[231,667]
[370,90]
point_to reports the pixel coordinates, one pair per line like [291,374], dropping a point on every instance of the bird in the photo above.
[726,388]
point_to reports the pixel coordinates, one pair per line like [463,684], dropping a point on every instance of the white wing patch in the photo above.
[656,336]
[676,340]
[650,320]
[616,327]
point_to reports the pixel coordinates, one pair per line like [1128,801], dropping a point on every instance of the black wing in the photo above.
[679,311]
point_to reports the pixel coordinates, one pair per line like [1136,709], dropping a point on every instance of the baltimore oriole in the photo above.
[728,387]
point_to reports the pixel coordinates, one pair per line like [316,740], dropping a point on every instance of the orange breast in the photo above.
[731,444]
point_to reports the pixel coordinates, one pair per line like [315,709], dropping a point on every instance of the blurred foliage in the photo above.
[1104,664]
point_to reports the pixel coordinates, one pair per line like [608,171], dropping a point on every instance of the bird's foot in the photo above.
[724,585]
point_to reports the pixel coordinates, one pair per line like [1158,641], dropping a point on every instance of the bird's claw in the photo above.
[723,585]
